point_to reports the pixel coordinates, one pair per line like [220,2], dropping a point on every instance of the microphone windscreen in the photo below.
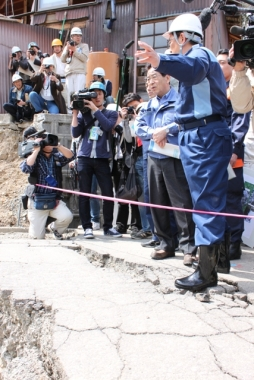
[237,30]
[205,17]
[187,1]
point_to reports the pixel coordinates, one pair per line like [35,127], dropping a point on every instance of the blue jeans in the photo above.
[94,202]
[41,104]
[142,209]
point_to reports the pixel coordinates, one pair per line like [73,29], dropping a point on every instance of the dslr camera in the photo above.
[72,43]
[130,110]
[25,148]
[78,97]
[32,52]
[14,55]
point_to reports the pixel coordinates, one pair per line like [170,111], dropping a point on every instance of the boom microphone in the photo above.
[238,31]
[129,44]
[205,17]
[232,10]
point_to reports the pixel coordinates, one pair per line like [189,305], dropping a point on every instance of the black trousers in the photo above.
[123,208]
[87,167]
[168,186]
[19,112]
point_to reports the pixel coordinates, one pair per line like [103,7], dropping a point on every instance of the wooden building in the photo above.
[109,24]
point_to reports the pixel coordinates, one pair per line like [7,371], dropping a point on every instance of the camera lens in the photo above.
[247,50]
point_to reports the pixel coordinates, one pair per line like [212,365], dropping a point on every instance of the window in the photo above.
[48,4]
[151,34]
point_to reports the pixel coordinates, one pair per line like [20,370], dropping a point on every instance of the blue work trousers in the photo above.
[205,154]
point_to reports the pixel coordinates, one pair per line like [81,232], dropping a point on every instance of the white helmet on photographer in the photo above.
[15,50]
[99,71]
[190,25]
[76,30]
[48,61]
[16,77]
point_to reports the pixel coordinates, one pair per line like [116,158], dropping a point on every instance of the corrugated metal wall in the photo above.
[16,34]
[122,31]
[152,8]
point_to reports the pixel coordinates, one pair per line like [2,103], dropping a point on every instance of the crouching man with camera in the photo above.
[94,123]
[44,166]
[46,94]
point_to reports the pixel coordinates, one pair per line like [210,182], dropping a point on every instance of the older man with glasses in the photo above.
[166,179]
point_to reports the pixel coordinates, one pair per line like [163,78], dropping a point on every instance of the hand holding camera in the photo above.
[71,45]
[128,113]
[238,65]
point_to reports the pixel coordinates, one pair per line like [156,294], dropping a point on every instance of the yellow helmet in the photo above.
[56,42]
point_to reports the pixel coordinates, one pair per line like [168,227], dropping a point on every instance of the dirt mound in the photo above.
[12,180]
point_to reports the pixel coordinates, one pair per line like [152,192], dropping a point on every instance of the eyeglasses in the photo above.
[153,77]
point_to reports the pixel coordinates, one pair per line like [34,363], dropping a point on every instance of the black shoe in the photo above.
[120,228]
[223,265]
[150,244]
[205,275]
[235,251]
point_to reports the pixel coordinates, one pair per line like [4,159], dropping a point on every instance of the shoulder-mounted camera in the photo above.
[26,147]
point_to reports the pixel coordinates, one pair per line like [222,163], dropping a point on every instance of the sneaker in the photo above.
[56,234]
[88,233]
[132,229]
[112,232]
[141,234]
[96,226]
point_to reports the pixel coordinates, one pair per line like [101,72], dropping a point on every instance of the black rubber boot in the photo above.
[223,265]
[205,274]
[235,251]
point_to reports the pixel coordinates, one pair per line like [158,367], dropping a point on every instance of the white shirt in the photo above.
[46,90]
[60,66]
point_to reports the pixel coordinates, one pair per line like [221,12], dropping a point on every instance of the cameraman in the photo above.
[242,98]
[95,127]
[44,166]
[19,106]
[46,94]
[75,54]
[19,65]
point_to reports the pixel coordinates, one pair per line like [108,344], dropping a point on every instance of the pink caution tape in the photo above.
[147,204]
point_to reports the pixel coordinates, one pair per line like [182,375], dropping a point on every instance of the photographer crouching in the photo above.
[46,94]
[45,158]
[94,123]
[19,106]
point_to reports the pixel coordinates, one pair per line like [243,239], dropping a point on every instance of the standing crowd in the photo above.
[178,146]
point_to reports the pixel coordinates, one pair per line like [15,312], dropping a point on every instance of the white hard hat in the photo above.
[186,22]
[48,61]
[15,49]
[16,77]
[99,71]
[76,30]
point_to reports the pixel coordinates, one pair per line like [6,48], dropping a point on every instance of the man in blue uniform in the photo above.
[204,138]
[239,125]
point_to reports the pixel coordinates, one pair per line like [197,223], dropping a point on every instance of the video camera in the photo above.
[78,97]
[25,148]
[244,49]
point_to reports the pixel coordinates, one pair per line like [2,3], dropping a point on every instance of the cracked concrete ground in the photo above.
[119,318]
